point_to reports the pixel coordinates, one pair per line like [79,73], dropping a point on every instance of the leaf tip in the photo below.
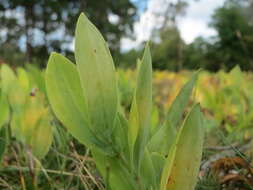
[82,18]
[51,58]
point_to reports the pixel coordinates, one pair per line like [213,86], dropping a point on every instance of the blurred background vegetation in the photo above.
[30,30]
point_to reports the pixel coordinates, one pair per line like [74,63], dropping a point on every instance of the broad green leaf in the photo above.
[168,164]
[144,90]
[17,97]
[15,89]
[30,125]
[163,139]
[4,111]
[165,136]
[139,120]
[7,77]
[66,98]
[36,76]
[98,77]
[178,106]
[42,138]
[25,118]
[33,111]
[16,120]
[23,79]
[186,154]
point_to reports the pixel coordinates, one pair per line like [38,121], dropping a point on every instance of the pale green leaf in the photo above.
[7,77]
[23,79]
[98,77]
[162,140]
[184,167]
[42,138]
[66,98]
[133,128]
[148,172]
[141,108]
[36,77]
[17,96]
[15,123]
[4,111]
[168,164]
[178,106]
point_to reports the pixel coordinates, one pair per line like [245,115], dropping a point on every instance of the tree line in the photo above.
[233,44]
[30,30]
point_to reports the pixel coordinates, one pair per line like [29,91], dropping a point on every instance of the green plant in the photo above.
[127,153]
[23,109]
[227,98]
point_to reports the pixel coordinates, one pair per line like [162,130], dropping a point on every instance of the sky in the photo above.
[193,24]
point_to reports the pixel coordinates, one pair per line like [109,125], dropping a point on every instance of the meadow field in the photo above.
[37,151]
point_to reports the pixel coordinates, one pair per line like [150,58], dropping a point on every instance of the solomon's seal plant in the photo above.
[24,111]
[127,153]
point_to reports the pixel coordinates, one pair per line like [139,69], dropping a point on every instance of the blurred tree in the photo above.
[47,25]
[128,59]
[168,15]
[194,54]
[168,44]
[168,53]
[235,35]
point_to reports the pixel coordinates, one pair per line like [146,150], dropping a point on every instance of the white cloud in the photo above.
[190,29]
[192,25]
[142,28]
[198,16]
